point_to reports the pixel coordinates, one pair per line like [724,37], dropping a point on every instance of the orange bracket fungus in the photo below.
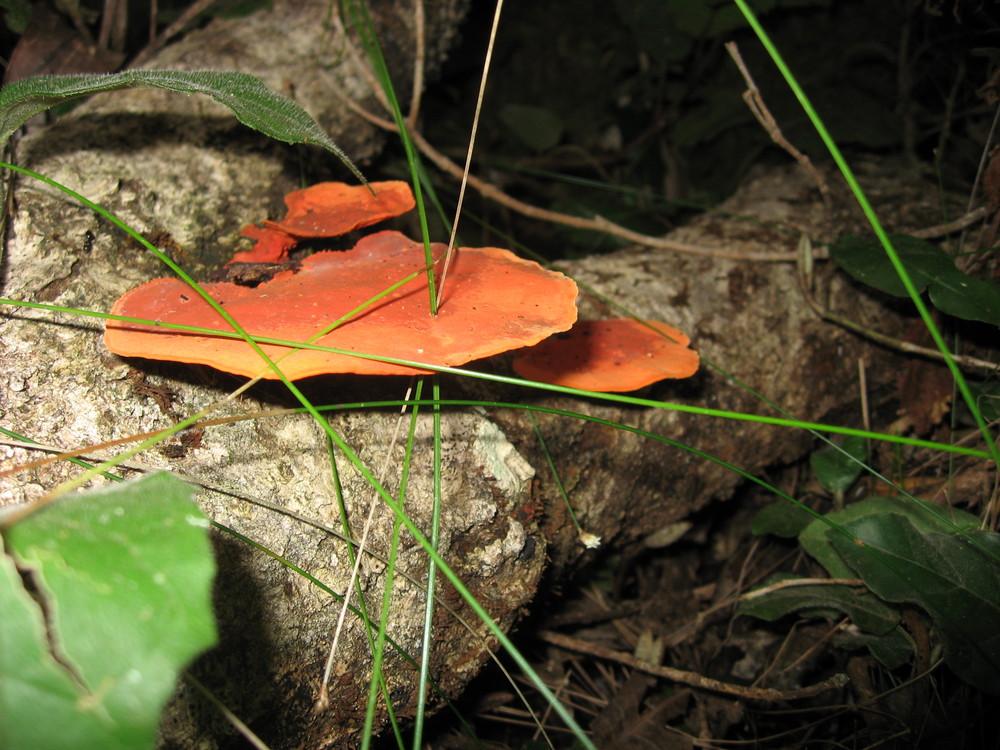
[609,356]
[327,209]
[494,302]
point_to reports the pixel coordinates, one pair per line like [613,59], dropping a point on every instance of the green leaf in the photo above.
[778,599]
[816,541]
[538,128]
[251,101]
[988,399]
[837,469]
[16,14]
[892,649]
[124,575]
[33,686]
[954,577]
[865,259]
[951,291]
[966,297]
[781,519]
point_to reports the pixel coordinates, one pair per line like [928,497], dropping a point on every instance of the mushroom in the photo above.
[327,209]
[271,246]
[494,302]
[617,355]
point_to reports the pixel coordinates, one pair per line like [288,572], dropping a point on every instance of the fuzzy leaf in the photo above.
[251,101]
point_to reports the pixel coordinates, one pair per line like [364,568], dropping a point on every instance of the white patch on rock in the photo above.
[501,460]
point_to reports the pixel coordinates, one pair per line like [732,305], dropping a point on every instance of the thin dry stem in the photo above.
[232,718]
[690,678]
[419,61]
[866,417]
[323,701]
[956,225]
[189,14]
[597,224]
[755,101]
[468,155]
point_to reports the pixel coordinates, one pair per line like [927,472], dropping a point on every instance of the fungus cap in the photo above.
[494,302]
[610,356]
[327,209]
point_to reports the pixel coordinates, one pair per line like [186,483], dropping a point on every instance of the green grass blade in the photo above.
[873,219]
[378,650]
[362,23]
[609,397]
[427,643]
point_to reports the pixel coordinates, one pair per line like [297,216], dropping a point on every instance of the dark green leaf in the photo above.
[951,291]
[656,28]
[988,399]
[954,577]
[778,599]
[966,297]
[125,574]
[837,469]
[251,101]
[816,542]
[865,259]
[781,519]
[16,14]
[892,649]
[538,128]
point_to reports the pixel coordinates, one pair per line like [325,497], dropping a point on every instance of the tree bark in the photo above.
[186,175]
[755,332]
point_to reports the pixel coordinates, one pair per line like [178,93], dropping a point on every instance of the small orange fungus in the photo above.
[610,356]
[327,209]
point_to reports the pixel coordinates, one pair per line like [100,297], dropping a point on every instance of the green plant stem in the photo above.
[555,473]
[366,30]
[609,397]
[862,199]
[427,643]
[79,462]
[378,650]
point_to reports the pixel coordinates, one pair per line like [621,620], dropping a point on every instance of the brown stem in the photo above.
[690,678]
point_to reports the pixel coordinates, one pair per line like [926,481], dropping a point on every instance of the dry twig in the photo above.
[755,102]
[596,224]
[805,284]
[182,22]
[691,678]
